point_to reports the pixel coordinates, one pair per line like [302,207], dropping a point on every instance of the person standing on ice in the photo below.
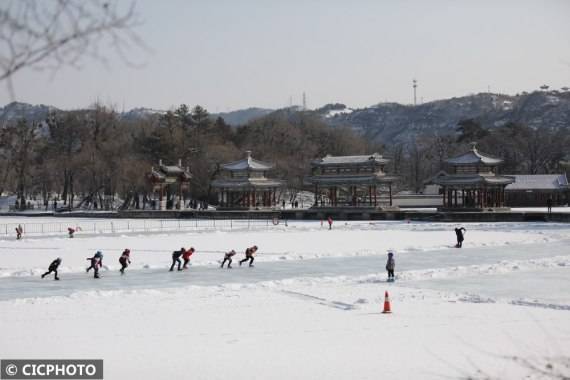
[249,255]
[176,259]
[125,260]
[96,263]
[459,232]
[390,265]
[186,257]
[19,232]
[329,219]
[53,268]
[228,257]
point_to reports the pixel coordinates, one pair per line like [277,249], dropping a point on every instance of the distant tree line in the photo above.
[524,150]
[93,156]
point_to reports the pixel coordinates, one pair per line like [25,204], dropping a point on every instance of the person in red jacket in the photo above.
[186,257]
[125,260]
[330,220]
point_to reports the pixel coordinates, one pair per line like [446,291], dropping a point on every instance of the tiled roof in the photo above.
[247,163]
[539,182]
[335,160]
[474,157]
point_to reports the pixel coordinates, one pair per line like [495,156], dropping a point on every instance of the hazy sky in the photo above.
[228,55]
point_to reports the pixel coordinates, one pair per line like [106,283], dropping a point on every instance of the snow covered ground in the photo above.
[310,308]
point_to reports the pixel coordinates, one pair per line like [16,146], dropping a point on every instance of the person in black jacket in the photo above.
[96,263]
[390,266]
[228,257]
[249,255]
[459,232]
[53,268]
[176,259]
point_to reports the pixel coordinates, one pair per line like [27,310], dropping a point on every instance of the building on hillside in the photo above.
[351,181]
[169,184]
[244,184]
[535,190]
[473,183]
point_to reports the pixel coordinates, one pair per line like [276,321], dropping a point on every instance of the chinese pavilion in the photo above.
[474,182]
[169,184]
[243,185]
[353,181]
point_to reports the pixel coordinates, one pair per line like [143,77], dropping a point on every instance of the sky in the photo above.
[228,55]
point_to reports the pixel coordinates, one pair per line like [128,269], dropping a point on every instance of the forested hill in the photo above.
[393,122]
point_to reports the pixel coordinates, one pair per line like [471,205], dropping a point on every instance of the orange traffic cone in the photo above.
[386,304]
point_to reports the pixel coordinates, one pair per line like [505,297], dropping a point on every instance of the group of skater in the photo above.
[96,261]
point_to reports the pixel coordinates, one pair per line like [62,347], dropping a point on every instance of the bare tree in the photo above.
[53,33]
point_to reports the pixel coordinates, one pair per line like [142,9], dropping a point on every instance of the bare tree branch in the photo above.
[51,34]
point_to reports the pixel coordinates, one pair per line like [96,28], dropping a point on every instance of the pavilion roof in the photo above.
[474,157]
[538,182]
[472,179]
[247,183]
[350,160]
[248,163]
[349,179]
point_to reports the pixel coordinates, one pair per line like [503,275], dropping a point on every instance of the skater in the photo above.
[96,263]
[70,231]
[390,266]
[249,255]
[228,257]
[125,260]
[176,259]
[330,222]
[549,205]
[186,257]
[53,268]
[459,232]
[19,232]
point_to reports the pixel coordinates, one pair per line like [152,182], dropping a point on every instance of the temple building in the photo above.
[351,181]
[534,190]
[473,182]
[244,184]
[169,185]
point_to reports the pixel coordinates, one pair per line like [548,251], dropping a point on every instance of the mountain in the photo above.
[17,110]
[392,122]
[241,117]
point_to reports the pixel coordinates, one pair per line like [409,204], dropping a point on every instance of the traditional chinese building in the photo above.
[535,190]
[169,184]
[473,182]
[351,181]
[244,184]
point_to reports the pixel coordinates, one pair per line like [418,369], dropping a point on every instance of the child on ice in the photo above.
[459,232]
[249,255]
[53,268]
[96,263]
[228,257]
[176,259]
[390,266]
[125,260]
[186,257]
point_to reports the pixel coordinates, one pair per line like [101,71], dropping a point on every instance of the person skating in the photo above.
[228,257]
[96,263]
[125,260]
[19,232]
[390,266]
[330,220]
[249,255]
[53,268]
[459,232]
[176,259]
[186,257]
[70,231]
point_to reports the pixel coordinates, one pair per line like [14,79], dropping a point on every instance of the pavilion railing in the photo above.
[136,225]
